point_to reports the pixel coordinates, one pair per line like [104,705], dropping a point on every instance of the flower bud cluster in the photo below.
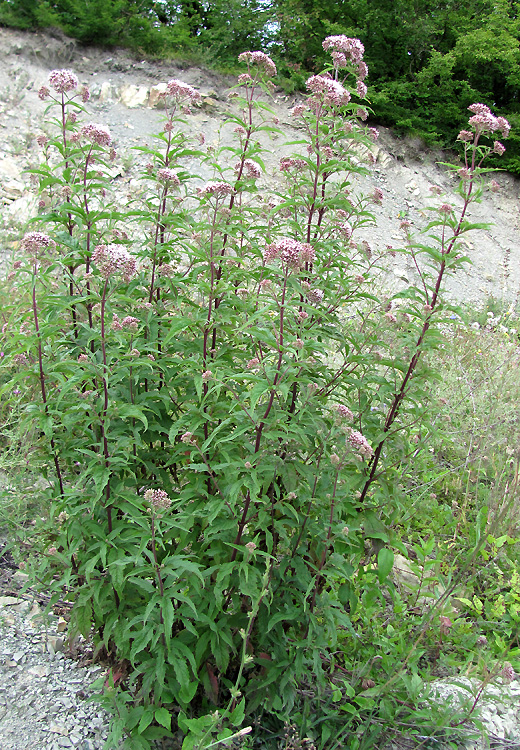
[352,49]
[288,162]
[168,175]
[111,259]
[63,81]
[158,499]
[483,121]
[218,189]
[343,412]
[359,443]
[251,168]
[315,296]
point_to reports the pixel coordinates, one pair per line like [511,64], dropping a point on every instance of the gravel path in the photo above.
[43,695]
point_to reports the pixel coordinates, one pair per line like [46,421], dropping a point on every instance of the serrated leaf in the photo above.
[128,411]
[146,720]
[163,717]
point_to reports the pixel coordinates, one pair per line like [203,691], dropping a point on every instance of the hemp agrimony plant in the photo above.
[224,399]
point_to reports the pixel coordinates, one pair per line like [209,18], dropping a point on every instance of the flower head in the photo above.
[130,322]
[361,89]
[261,60]
[218,189]
[63,81]
[507,673]
[99,134]
[352,48]
[34,242]
[289,251]
[359,443]
[168,175]
[112,259]
[288,162]
[331,91]
[445,624]
[181,90]
[343,412]
[465,135]
[158,499]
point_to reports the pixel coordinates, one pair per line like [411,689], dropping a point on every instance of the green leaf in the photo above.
[385,562]
[125,412]
[163,717]
[146,720]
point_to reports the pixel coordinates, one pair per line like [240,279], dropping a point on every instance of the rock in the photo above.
[20,577]
[11,177]
[23,209]
[497,707]
[208,104]
[62,625]
[155,98]
[54,644]
[133,96]
[106,92]
[6,601]
[58,729]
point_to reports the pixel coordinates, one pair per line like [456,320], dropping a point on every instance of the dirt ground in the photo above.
[120,87]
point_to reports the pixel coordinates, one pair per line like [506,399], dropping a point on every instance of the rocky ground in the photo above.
[43,694]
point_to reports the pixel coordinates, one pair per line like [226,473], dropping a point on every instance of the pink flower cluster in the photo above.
[377,196]
[485,122]
[168,175]
[218,189]
[331,91]
[132,324]
[288,162]
[158,499]
[112,259]
[251,168]
[261,60]
[95,133]
[181,90]
[63,81]
[34,242]
[507,673]
[361,89]
[166,270]
[343,411]
[353,49]
[291,252]
[315,296]
[360,444]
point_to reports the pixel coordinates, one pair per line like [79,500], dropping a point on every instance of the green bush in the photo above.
[225,404]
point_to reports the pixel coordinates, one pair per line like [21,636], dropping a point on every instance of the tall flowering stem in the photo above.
[36,244]
[482,122]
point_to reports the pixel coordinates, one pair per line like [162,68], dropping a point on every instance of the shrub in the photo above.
[224,400]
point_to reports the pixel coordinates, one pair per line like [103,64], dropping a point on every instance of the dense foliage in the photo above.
[428,59]
[227,409]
